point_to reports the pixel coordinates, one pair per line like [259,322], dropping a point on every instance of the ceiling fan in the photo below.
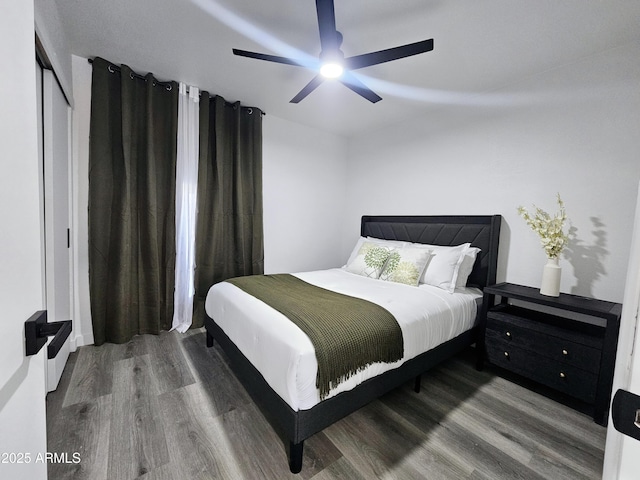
[333,64]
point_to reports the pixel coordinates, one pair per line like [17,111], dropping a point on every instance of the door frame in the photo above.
[620,451]
[59,285]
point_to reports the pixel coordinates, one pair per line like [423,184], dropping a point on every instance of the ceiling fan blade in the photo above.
[350,81]
[309,87]
[327,25]
[382,56]
[268,58]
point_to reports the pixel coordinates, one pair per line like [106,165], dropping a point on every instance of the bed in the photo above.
[291,403]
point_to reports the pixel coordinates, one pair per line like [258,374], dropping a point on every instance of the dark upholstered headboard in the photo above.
[482,231]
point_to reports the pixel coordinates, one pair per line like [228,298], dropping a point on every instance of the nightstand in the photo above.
[572,354]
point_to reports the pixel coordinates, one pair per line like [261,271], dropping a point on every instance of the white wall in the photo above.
[22,381]
[304,174]
[573,130]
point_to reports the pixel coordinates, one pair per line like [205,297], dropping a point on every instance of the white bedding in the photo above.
[284,355]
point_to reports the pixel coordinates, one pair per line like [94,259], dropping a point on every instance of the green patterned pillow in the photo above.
[370,260]
[406,265]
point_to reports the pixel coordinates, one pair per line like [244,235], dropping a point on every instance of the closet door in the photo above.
[56,120]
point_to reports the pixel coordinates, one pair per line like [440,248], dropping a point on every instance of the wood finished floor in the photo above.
[166,407]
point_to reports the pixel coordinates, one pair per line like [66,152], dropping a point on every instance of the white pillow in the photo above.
[466,266]
[379,241]
[370,259]
[405,265]
[442,271]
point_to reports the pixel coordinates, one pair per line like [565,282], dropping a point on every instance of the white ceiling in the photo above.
[479,46]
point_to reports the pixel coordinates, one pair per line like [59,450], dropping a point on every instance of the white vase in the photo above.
[550,285]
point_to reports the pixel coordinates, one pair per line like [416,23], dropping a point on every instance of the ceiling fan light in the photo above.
[331,70]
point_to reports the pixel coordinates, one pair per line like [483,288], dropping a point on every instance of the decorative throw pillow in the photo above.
[443,268]
[405,265]
[369,260]
[387,243]
[466,266]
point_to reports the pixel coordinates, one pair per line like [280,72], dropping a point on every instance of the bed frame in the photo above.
[296,426]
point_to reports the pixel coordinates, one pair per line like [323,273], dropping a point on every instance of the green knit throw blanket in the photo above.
[347,333]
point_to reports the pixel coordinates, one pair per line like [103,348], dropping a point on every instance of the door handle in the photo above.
[36,331]
[625,412]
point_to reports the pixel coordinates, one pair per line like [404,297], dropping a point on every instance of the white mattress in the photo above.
[284,355]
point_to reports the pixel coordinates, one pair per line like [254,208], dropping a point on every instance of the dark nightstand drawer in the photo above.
[563,377]
[578,350]
[536,330]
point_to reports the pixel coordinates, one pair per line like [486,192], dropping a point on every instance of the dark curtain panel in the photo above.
[229,238]
[132,162]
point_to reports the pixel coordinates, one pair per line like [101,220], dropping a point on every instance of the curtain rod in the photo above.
[169,86]
[113,68]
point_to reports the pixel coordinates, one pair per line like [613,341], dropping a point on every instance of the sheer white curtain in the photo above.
[186,201]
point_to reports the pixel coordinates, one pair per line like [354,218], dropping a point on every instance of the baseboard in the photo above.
[81,341]
[56,365]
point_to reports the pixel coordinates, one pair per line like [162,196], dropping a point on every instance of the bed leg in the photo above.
[209,340]
[295,456]
[479,357]
[416,385]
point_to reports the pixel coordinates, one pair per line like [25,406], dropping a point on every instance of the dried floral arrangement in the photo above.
[549,228]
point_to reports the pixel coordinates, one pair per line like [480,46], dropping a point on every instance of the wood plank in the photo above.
[473,442]
[579,425]
[81,429]
[137,442]
[93,376]
[526,421]
[341,468]
[213,375]
[553,464]
[521,405]
[260,453]
[458,412]
[256,449]
[194,431]
[170,367]
[378,442]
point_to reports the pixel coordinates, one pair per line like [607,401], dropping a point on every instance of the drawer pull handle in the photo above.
[562,375]
[564,352]
[509,334]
